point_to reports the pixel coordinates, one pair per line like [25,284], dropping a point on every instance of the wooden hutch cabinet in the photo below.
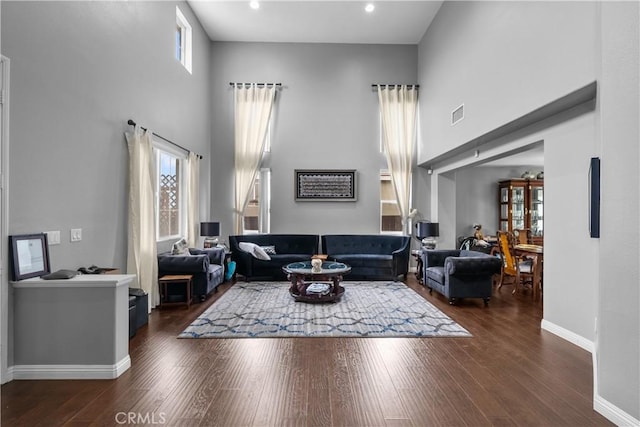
[521,206]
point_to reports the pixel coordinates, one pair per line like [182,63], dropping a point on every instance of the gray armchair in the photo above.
[460,274]
[206,266]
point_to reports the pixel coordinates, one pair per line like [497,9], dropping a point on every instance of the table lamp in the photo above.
[427,232]
[211,231]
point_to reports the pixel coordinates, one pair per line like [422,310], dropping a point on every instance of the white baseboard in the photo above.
[70,372]
[8,375]
[613,413]
[600,405]
[566,334]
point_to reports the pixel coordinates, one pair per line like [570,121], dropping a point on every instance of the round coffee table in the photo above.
[326,280]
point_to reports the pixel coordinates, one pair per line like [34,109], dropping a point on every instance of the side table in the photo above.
[174,280]
[417,254]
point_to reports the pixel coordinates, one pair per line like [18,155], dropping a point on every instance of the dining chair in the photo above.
[523,236]
[521,269]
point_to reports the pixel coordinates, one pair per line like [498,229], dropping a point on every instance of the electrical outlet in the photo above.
[53,237]
[76,234]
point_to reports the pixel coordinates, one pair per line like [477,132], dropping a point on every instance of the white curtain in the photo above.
[398,105]
[193,200]
[253,106]
[142,257]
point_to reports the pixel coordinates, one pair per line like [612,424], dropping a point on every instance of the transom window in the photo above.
[183,40]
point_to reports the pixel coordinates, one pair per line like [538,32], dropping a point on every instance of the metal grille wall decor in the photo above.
[169,215]
[325,185]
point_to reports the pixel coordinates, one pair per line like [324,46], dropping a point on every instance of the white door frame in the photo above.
[4,219]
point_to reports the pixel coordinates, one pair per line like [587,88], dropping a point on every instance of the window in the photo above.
[183,40]
[256,215]
[171,194]
[390,218]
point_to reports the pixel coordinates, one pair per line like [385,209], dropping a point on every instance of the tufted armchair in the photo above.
[460,274]
[206,266]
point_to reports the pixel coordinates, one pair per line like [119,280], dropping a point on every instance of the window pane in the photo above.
[391,219]
[169,196]
[251,220]
[179,43]
[386,190]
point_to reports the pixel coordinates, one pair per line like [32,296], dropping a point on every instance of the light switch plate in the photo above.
[76,234]
[53,237]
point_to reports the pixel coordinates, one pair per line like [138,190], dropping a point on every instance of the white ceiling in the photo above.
[392,21]
[326,21]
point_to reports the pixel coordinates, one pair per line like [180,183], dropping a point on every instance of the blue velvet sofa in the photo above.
[459,273]
[206,266]
[284,248]
[371,257]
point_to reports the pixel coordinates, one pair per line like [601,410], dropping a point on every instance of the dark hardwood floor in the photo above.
[509,373]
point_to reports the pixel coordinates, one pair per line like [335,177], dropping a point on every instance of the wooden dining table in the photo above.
[536,252]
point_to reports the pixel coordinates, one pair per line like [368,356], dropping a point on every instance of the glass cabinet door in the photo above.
[536,212]
[504,208]
[517,208]
[521,206]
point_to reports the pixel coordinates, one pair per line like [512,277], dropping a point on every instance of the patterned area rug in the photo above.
[367,309]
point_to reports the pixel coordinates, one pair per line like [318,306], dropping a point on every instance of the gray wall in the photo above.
[618,337]
[477,196]
[502,60]
[505,60]
[79,71]
[326,118]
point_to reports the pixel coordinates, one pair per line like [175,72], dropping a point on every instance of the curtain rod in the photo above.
[375,85]
[257,84]
[132,123]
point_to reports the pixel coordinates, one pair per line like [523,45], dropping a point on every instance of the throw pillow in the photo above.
[255,250]
[180,248]
[271,250]
[231,268]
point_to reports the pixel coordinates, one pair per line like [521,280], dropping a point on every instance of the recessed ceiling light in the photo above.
[254,4]
[369,7]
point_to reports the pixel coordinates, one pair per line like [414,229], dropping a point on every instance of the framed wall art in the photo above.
[29,256]
[325,185]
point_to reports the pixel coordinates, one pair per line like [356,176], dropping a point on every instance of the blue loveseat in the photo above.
[460,274]
[206,266]
[284,249]
[371,257]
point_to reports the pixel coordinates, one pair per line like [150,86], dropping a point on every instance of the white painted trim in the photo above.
[6,374]
[71,372]
[80,281]
[600,405]
[568,335]
[613,413]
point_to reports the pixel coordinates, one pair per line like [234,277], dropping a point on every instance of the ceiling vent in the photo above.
[457,115]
